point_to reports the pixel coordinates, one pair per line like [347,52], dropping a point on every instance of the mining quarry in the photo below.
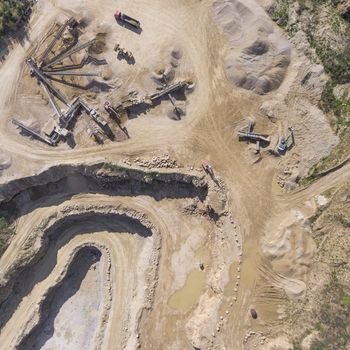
[151,164]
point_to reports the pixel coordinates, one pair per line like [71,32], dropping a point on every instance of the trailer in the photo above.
[127,19]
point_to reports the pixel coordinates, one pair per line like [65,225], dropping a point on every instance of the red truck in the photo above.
[127,19]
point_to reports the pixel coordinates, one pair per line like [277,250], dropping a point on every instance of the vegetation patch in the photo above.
[336,61]
[5,233]
[315,18]
[8,213]
[339,106]
[325,312]
[337,157]
[330,319]
[10,14]
[333,317]
[279,13]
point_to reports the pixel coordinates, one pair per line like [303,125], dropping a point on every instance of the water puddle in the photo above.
[187,297]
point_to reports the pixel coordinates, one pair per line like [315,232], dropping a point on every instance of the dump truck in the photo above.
[127,19]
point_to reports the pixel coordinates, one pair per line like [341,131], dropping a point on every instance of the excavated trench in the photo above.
[60,183]
[57,236]
[58,298]
[57,185]
[103,178]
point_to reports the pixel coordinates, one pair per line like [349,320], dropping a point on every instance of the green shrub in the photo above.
[8,213]
[339,106]
[281,16]
[346,300]
[4,234]
[10,14]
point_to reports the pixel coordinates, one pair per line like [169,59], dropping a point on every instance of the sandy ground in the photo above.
[74,311]
[154,294]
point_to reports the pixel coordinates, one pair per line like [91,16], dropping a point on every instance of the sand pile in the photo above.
[165,70]
[176,55]
[290,250]
[169,71]
[258,57]
[99,44]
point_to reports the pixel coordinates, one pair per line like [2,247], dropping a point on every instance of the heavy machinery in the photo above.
[177,109]
[44,69]
[132,99]
[127,19]
[168,89]
[114,114]
[33,133]
[283,145]
[252,136]
[71,22]
[122,53]
[111,111]
[207,167]
[95,134]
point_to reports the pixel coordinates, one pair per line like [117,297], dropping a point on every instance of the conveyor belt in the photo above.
[168,90]
[72,73]
[33,133]
[70,52]
[55,39]
[252,136]
[42,79]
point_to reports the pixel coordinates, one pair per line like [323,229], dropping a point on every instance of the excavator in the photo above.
[111,111]
[207,168]
[122,53]
[283,145]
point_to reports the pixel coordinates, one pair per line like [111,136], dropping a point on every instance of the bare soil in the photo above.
[131,242]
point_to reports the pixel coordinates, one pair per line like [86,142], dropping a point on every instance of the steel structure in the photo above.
[43,73]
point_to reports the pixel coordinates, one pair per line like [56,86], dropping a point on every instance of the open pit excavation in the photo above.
[173,175]
[66,236]
[53,310]
[112,211]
